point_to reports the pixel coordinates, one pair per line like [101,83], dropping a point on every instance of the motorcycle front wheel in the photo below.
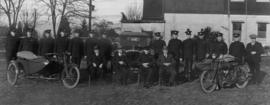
[208,81]
[243,78]
[71,77]
[12,73]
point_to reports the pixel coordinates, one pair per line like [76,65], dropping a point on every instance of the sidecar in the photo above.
[26,63]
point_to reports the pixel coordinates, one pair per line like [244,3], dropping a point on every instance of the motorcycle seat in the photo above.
[27,55]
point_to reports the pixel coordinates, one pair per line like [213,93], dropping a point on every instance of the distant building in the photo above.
[227,16]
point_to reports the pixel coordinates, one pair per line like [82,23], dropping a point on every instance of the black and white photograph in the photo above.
[134,52]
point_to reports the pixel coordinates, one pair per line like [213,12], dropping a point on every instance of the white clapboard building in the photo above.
[227,16]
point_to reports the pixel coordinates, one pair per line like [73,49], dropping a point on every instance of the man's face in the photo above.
[165,51]
[91,35]
[47,35]
[120,51]
[219,38]
[236,38]
[146,51]
[76,34]
[12,33]
[62,34]
[104,36]
[188,36]
[200,36]
[28,34]
[174,36]
[96,51]
[253,40]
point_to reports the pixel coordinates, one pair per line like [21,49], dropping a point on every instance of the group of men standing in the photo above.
[166,59]
[199,48]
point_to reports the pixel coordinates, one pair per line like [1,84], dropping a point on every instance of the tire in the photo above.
[71,77]
[12,73]
[243,79]
[205,75]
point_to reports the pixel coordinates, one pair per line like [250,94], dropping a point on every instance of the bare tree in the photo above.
[30,18]
[134,12]
[12,10]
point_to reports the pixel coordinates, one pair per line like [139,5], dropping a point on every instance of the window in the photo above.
[262,0]
[237,27]
[262,30]
[237,0]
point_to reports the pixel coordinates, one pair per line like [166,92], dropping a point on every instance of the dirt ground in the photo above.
[40,92]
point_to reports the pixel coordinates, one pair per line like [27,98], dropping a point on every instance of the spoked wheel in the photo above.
[71,77]
[12,73]
[243,78]
[208,81]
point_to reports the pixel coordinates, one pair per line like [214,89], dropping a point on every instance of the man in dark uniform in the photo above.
[166,64]
[146,62]
[175,48]
[157,45]
[105,46]
[96,62]
[254,50]
[237,48]
[61,43]
[200,47]
[188,52]
[12,45]
[46,44]
[76,48]
[90,43]
[221,47]
[120,66]
[29,43]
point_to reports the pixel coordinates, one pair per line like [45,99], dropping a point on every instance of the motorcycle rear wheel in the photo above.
[71,77]
[207,77]
[243,79]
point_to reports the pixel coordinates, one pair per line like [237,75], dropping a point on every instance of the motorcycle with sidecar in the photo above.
[28,65]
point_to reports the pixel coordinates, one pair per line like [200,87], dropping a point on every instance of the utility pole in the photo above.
[229,20]
[90,15]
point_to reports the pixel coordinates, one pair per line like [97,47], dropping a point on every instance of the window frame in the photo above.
[262,32]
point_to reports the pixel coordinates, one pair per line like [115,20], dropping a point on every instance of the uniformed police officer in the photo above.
[157,44]
[120,66]
[166,64]
[76,48]
[61,43]
[95,63]
[90,43]
[146,62]
[105,47]
[175,48]
[237,48]
[29,43]
[254,50]
[200,47]
[12,45]
[188,53]
[46,44]
[221,47]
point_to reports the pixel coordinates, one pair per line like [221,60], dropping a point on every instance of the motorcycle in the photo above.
[224,72]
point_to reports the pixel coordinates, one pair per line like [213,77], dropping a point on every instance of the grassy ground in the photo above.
[40,92]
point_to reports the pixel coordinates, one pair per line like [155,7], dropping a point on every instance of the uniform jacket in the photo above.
[29,44]
[220,48]
[12,46]
[116,59]
[157,46]
[105,47]
[237,49]
[76,47]
[200,48]
[175,48]
[96,59]
[169,59]
[188,48]
[61,44]
[89,46]
[46,45]
[146,58]
[257,47]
